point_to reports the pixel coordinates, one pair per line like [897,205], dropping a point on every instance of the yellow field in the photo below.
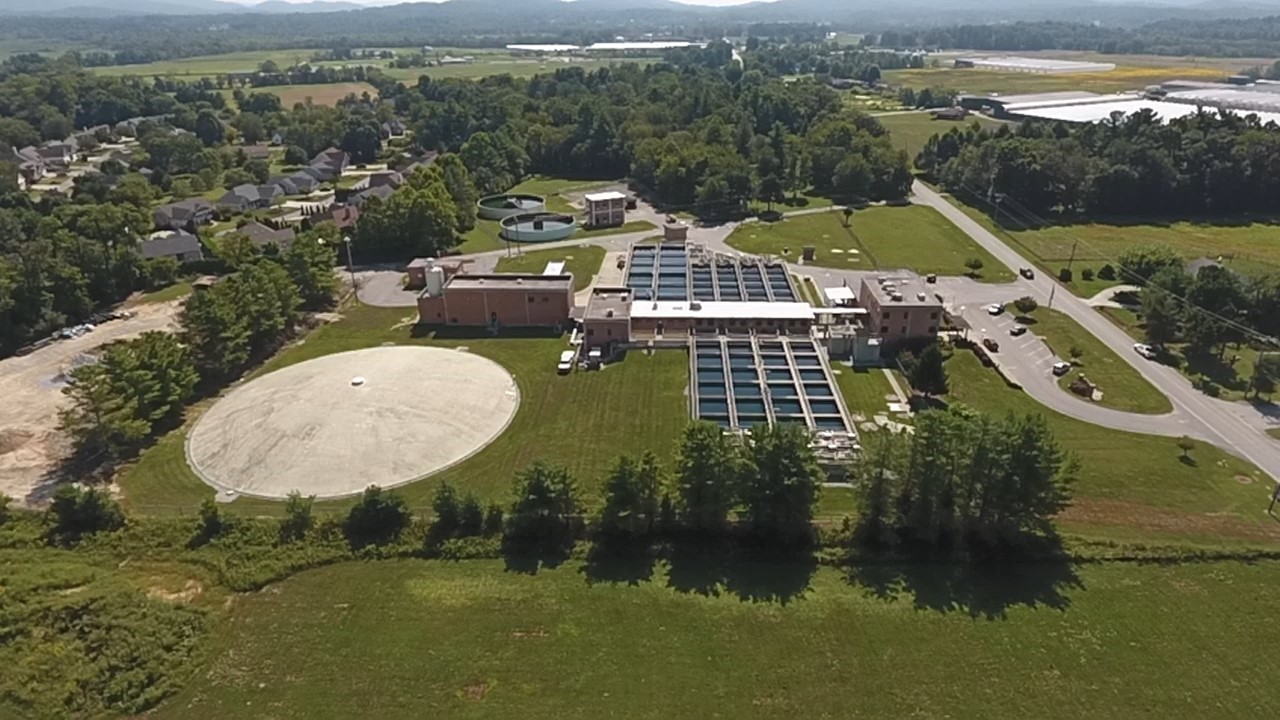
[328,94]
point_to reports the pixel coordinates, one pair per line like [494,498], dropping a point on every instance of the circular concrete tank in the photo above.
[497,207]
[538,227]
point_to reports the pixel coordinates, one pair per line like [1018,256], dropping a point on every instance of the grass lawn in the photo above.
[911,132]
[583,420]
[1128,320]
[583,261]
[986,81]
[414,638]
[808,291]
[912,237]
[209,65]
[1274,432]
[866,390]
[1131,482]
[517,68]
[166,294]
[481,238]
[1246,244]
[1123,387]
[631,226]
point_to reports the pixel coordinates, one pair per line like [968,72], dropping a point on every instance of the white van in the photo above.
[566,362]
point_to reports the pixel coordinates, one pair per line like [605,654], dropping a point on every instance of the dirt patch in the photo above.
[191,589]
[30,444]
[1170,522]
[1244,479]
[476,691]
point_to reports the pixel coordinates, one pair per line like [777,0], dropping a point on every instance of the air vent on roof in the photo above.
[608,313]
[695,305]
[921,296]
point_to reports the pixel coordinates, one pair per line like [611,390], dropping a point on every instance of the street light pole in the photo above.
[351,268]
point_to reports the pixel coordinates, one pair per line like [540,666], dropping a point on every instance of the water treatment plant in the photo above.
[538,227]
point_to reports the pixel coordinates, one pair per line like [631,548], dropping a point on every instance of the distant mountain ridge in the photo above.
[112,8]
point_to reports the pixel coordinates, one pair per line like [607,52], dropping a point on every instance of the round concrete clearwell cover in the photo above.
[309,428]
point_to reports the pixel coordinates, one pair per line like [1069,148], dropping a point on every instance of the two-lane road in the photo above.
[1234,427]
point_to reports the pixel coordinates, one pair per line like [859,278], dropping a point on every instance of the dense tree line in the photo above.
[961,479]
[1127,165]
[699,134]
[826,59]
[1212,38]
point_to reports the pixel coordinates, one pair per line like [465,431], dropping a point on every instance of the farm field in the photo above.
[583,261]
[326,94]
[911,237]
[911,131]
[1123,78]
[701,639]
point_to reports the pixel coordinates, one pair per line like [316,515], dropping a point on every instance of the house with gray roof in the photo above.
[184,215]
[263,236]
[181,246]
[298,183]
[388,178]
[381,192]
[243,198]
[330,163]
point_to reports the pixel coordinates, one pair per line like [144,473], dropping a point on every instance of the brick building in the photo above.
[900,309]
[499,299]
[606,209]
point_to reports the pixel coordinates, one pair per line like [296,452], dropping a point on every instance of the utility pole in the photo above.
[351,268]
[1072,259]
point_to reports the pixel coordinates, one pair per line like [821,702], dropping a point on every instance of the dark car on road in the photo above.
[1027,273]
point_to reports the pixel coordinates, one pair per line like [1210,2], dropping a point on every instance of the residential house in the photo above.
[392,129]
[386,178]
[31,166]
[58,156]
[344,216]
[256,152]
[243,198]
[185,215]
[330,163]
[182,246]
[295,184]
[381,192]
[314,173]
[263,236]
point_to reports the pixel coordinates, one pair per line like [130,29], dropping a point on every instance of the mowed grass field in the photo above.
[326,94]
[583,261]
[584,420]
[911,237]
[1121,79]
[911,131]
[413,638]
[1134,485]
[1246,244]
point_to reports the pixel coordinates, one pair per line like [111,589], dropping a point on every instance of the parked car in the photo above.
[566,362]
[1027,273]
[1017,330]
[1145,351]
[995,309]
[1061,368]
[990,344]
[622,262]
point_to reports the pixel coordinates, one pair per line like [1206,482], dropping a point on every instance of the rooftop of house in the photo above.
[512,281]
[262,235]
[188,205]
[721,310]
[249,193]
[609,303]
[604,196]
[179,243]
[901,291]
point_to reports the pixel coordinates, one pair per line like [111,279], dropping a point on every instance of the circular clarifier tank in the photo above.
[497,207]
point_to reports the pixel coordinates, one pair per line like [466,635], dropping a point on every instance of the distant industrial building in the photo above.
[496,300]
[641,47]
[1040,66]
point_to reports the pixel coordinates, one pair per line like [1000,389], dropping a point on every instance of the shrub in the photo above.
[1086,274]
[297,519]
[492,520]
[75,513]
[1107,272]
[1065,275]
[377,519]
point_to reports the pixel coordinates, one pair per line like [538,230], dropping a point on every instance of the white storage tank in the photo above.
[435,281]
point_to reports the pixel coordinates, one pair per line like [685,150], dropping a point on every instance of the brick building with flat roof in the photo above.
[900,309]
[499,299]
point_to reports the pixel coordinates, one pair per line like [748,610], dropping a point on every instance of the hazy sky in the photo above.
[397,2]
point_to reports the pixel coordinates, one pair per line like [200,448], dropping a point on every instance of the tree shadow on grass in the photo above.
[752,575]
[619,563]
[980,588]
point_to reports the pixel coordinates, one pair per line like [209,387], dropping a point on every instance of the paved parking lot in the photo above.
[1024,358]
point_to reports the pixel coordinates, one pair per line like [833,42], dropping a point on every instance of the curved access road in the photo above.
[1237,428]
